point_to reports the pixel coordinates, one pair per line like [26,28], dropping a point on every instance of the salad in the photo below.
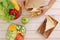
[15,32]
[9,10]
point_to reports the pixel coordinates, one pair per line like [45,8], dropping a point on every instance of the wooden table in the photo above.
[34,23]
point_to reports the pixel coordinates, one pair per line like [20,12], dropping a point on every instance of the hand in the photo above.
[44,9]
[24,3]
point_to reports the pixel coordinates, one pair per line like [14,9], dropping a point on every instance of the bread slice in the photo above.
[47,26]
[35,12]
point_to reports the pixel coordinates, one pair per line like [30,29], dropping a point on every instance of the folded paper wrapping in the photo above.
[47,26]
[35,3]
[33,6]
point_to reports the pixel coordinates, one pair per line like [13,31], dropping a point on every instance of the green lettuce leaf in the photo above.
[5,6]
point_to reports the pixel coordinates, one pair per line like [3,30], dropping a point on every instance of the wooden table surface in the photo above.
[34,23]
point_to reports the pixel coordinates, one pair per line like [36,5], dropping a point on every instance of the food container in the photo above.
[15,32]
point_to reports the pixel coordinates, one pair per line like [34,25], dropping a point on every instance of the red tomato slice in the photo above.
[19,36]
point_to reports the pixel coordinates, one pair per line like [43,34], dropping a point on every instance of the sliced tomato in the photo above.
[19,36]
[14,12]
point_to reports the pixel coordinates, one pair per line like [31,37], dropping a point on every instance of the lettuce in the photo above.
[11,35]
[5,6]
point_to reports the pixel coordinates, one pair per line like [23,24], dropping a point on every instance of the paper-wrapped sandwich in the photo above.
[32,6]
[47,26]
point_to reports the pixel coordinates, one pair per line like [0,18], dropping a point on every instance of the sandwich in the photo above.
[47,26]
[35,12]
[32,6]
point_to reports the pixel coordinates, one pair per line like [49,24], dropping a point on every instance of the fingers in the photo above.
[41,6]
[44,11]
[24,3]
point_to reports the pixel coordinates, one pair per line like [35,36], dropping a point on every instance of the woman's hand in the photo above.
[24,3]
[45,8]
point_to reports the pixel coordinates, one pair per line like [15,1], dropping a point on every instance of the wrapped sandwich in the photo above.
[32,6]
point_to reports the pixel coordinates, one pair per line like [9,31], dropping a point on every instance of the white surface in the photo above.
[34,23]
